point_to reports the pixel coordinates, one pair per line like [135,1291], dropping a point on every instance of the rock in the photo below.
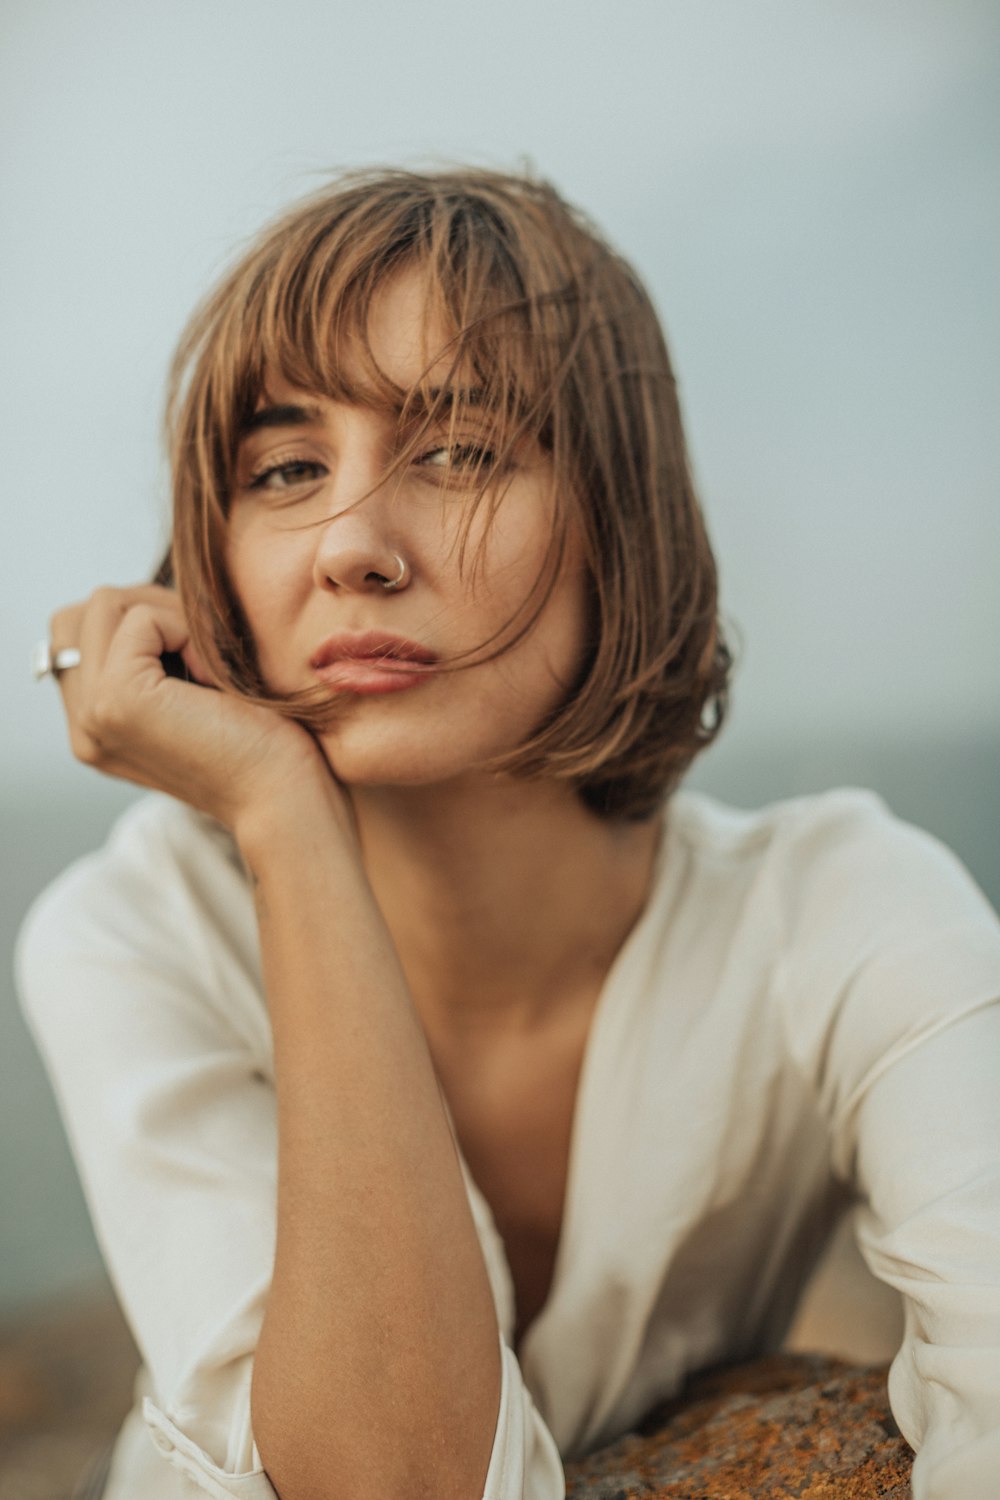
[789,1427]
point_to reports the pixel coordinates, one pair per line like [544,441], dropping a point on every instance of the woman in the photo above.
[445,1084]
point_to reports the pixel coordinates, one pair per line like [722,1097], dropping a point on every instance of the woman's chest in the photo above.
[515,1123]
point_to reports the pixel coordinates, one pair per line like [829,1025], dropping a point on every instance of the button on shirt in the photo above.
[809,1002]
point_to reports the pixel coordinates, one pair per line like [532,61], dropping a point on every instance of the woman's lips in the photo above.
[365,676]
[371,661]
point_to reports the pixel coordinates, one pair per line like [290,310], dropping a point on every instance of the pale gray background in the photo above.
[812,193]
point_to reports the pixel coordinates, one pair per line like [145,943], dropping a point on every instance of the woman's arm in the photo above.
[139,975]
[378,1366]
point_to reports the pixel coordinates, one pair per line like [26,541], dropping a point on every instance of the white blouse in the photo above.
[809,1002]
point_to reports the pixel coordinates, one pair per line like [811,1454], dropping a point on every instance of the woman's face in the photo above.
[309,571]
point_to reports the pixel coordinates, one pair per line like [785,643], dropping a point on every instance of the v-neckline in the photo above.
[602,1010]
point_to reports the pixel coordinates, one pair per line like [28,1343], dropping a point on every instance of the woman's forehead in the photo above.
[408,339]
[399,345]
[392,348]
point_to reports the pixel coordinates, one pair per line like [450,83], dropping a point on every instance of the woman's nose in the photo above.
[356,551]
[359,569]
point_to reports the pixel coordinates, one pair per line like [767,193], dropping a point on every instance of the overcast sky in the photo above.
[812,192]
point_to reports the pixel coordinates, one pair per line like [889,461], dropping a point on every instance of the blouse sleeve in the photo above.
[137,973]
[928,1167]
[891,988]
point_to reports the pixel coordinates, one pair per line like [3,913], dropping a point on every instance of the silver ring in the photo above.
[48,663]
[402,576]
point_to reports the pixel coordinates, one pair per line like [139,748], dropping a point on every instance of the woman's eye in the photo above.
[458,456]
[285,476]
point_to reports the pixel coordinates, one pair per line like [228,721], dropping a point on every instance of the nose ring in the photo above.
[402,577]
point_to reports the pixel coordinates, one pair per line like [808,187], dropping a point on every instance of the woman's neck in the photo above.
[506,900]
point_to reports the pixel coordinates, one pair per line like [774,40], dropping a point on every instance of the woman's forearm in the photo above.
[378,1368]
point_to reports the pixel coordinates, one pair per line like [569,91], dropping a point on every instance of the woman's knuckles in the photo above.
[106,596]
[108,601]
[107,718]
[64,625]
[84,747]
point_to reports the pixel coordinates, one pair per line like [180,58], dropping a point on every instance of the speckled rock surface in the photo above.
[802,1426]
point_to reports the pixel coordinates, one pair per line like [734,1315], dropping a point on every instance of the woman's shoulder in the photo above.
[158,848]
[166,880]
[863,933]
[824,882]
[707,823]
[845,839]
[878,933]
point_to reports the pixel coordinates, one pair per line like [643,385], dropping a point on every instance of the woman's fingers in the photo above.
[129,718]
[64,626]
[121,634]
[92,624]
[196,666]
[90,694]
[142,634]
[66,629]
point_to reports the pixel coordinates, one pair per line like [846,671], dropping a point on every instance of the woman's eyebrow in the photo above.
[280,416]
[295,415]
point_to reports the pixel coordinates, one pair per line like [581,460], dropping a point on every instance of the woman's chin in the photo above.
[381,746]
[361,761]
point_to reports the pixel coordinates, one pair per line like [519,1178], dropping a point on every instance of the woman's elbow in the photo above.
[308,1454]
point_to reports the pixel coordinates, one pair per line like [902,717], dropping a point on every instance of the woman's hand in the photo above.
[128,718]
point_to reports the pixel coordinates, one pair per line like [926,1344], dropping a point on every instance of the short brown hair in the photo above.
[567,350]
